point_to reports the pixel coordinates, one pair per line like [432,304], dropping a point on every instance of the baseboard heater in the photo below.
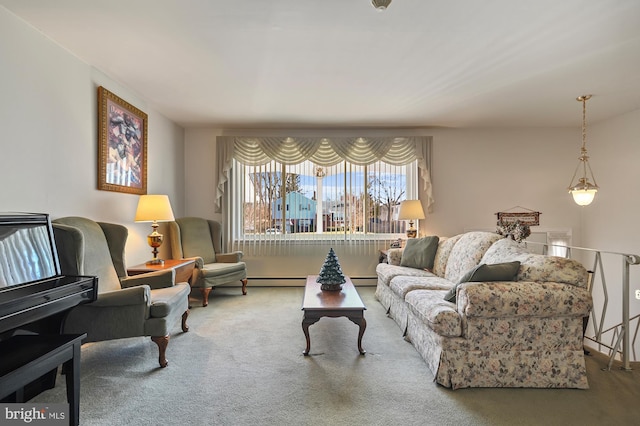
[302,278]
[300,281]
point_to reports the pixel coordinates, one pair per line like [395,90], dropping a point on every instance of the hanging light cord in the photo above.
[584,100]
[584,158]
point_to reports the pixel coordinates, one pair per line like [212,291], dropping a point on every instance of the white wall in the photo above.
[611,221]
[48,117]
[476,173]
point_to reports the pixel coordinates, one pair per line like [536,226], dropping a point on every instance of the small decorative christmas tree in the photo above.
[331,276]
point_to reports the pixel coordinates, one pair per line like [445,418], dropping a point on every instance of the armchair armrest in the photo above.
[139,295]
[522,298]
[232,257]
[199,262]
[154,280]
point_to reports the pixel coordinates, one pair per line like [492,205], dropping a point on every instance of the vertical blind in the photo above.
[284,193]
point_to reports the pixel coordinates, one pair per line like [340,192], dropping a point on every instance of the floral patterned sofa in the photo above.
[521,333]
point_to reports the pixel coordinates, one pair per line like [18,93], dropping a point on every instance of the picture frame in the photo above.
[122,145]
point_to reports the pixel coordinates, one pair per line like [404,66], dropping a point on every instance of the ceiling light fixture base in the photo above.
[381,4]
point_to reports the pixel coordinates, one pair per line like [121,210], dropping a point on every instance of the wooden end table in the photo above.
[183,268]
[345,303]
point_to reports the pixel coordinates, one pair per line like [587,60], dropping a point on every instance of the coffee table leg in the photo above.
[362,323]
[306,322]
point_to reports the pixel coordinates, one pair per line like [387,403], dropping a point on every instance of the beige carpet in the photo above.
[242,364]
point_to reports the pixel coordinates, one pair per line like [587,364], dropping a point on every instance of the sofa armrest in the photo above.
[394,255]
[232,257]
[522,298]
[156,279]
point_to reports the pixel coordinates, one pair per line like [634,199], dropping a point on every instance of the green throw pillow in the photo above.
[420,252]
[486,273]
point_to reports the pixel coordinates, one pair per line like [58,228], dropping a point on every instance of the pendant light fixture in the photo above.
[583,190]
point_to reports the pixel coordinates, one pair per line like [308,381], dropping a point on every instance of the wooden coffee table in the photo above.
[345,303]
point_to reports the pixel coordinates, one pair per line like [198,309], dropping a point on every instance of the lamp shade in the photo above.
[154,208]
[583,196]
[410,210]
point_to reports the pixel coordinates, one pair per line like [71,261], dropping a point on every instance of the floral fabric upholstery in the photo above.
[431,308]
[387,272]
[467,253]
[503,250]
[531,369]
[385,296]
[442,254]
[498,334]
[523,333]
[500,299]
[539,268]
[401,285]
[394,256]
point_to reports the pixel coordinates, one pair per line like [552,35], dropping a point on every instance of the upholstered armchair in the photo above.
[194,237]
[142,305]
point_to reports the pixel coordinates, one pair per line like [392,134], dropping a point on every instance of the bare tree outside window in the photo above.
[345,198]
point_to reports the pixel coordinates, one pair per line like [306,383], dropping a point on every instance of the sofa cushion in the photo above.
[402,285]
[420,252]
[431,308]
[486,273]
[468,252]
[442,254]
[387,272]
[394,256]
[504,250]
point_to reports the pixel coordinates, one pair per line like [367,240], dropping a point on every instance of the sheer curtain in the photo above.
[257,155]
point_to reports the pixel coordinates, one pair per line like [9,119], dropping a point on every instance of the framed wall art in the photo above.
[527,217]
[122,145]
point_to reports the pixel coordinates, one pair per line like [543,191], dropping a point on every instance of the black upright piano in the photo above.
[34,300]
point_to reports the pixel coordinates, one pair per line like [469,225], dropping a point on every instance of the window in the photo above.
[341,199]
[351,187]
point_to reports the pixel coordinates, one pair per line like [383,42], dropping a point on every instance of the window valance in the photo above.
[323,151]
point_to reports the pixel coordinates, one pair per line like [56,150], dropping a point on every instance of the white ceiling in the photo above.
[343,64]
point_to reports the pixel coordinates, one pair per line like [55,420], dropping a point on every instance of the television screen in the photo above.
[26,250]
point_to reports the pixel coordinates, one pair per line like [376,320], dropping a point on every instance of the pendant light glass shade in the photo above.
[583,190]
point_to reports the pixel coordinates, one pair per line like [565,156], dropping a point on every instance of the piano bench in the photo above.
[26,358]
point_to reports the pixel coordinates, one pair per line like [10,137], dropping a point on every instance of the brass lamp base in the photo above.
[411,232]
[155,239]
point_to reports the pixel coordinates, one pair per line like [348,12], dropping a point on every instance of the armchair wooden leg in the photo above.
[162,342]
[185,327]
[244,287]
[205,296]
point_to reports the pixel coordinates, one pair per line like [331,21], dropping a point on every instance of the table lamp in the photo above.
[154,208]
[411,210]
